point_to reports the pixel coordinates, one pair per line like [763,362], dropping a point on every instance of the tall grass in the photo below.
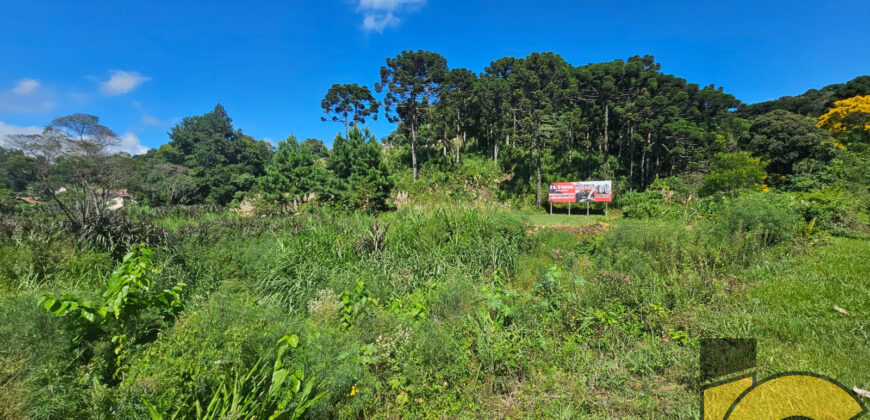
[427,311]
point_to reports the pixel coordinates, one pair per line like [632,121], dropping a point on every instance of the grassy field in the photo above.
[559,219]
[435,312]
[789,306]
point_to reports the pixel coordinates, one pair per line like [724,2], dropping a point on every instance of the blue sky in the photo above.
[142,66]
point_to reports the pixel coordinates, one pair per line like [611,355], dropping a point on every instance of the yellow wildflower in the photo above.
[353,390]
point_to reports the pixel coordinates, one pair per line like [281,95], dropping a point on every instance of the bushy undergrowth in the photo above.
[451,311]
[774,217]
[475,178]
[834,210]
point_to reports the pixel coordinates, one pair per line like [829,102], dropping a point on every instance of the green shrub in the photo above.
[642,204]
[39,363]
[673,189]
[776,217]
[229,334]
[281,391]
[733,172]
[124,311]
[669,198]
[475,178]
[833,210]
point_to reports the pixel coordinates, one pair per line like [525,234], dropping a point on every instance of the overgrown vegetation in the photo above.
[420,278]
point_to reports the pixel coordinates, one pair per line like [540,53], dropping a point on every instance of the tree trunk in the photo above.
[458,151]
[538,169]
[606,125]
[643,160]
[631,158]
[495,151]
[444,143]
[414,149]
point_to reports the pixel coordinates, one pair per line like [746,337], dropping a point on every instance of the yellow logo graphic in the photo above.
[782,396]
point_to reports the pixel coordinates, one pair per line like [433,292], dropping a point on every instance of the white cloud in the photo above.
[150,120]
[379,22]
[387,4]
[25,86]
[25,98]
[8,129]
[130,144]
[122,82]
[381,14]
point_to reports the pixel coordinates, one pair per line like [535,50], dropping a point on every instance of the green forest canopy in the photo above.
[538,118]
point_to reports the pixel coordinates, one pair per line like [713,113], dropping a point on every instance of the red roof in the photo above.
[29,200]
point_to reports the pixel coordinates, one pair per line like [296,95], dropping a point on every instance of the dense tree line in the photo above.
[813,102]
[539,119]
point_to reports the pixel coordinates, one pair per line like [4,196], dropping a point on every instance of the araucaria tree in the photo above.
[362,179]
[294,173]
[411,80]
[349,104]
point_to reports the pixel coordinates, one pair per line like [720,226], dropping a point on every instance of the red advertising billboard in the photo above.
[580,192]
[562,192]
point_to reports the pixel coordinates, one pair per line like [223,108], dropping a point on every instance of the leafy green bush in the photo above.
[228,335]
[8,202]
[475,178]
[674,189]
[259,393]
[733,172]
[669,198]
[120,313]
[642,204]
[833,210]
[776,217]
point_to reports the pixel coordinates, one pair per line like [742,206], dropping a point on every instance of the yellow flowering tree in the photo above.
[847,115]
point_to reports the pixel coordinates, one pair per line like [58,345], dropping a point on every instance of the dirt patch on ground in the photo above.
[588,230]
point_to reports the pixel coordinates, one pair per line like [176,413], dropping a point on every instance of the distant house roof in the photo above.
[29,200]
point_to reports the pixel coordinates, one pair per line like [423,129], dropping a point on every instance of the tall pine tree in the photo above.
[294,173]
[362,179]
